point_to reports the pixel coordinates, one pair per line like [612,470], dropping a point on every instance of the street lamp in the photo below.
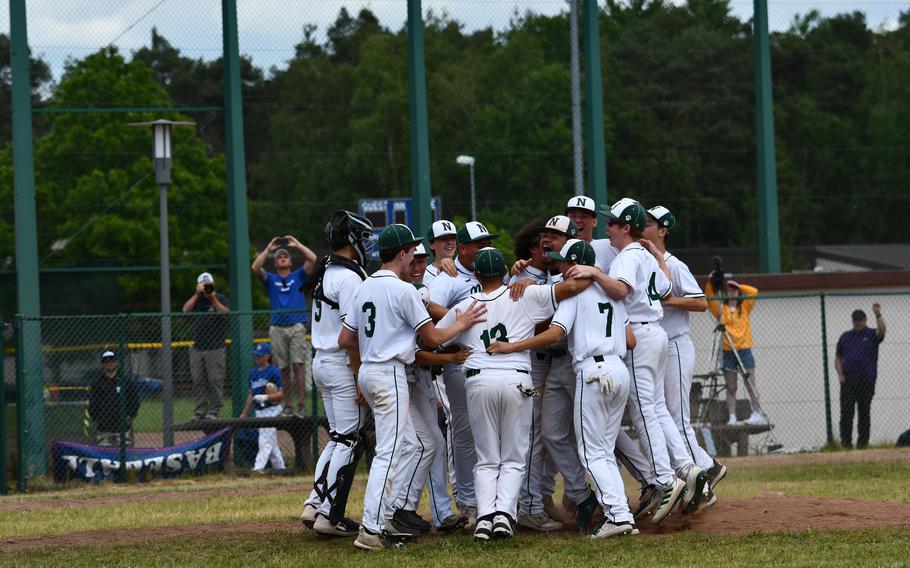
[161,165]
[469,161]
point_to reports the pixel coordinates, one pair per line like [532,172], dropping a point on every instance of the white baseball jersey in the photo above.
[448,291]
[676,321]
[429,274]
[536,275]
[605,252]
[339,285]
[507,320]
[637,267]
[386,314]
[594,323]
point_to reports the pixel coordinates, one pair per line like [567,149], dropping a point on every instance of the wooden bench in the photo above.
[300,429]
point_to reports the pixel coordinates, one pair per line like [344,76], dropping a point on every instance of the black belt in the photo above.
[599,358]
[471,372]
[558,352]
[541,355]
[641,323]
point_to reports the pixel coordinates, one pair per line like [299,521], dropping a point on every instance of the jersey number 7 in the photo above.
[607,307]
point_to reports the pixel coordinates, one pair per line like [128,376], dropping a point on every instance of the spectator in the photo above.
[104,402]
[207,353]
[288,330]
[856,361]
[266,393]
[734,312]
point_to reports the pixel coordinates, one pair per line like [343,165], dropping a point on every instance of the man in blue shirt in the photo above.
[857,367]
[266,394]
[288,330]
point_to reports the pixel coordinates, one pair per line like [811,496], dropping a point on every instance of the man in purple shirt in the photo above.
[857,367]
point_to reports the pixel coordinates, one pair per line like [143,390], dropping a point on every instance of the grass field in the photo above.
[233,521]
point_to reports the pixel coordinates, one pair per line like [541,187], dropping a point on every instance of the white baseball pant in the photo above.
[268,442]
[463,450]
[540,473]
[557,427]
[646,367]
[335,381]
[385,388]
[439,387]
[598,420]
[440,501]
[677,385]
[500,417]
[629,454]
[418,449]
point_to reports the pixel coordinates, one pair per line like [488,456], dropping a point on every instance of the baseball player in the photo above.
[446,292]
[266,393]
[335,282]
[423,442]
[559,392]
[596,328]
[536,509]
[441,239]
[640,280]
[582,211]
[386,313]
[499,387]
[687,297]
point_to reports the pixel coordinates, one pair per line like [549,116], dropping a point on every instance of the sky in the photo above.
[269,29]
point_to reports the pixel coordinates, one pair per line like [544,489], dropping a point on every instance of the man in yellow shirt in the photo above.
[733,312]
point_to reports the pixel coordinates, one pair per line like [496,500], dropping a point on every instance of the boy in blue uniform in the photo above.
[266,393]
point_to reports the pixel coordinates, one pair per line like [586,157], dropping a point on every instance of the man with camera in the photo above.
[208,351]
[290,348]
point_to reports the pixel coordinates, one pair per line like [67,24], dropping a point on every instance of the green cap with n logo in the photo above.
[561,224]
[441,228]
[489,263]
[397,236]
[473,231]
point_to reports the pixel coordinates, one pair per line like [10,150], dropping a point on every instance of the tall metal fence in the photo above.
[795,342]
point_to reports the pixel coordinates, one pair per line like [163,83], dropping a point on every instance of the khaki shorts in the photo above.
[289,345]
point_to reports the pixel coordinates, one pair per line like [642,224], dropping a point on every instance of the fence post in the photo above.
[825,367]
[121,394]
[594,110]
[3,472]
[21,424]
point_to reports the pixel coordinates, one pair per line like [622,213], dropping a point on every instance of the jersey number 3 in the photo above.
[498,333]
[370,310]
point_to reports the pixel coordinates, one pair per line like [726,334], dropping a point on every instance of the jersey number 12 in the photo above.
[498,333]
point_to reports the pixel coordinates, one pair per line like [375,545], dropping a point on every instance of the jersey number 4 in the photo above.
[608,308]
[498,333]
[370,326]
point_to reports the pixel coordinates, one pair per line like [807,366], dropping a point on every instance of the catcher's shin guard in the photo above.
[345,478]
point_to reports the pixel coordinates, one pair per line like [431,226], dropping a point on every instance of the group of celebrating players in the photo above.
[533,367]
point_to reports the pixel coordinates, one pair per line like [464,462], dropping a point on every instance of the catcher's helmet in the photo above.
[348,228]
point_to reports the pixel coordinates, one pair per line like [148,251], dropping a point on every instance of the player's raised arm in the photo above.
[553,334]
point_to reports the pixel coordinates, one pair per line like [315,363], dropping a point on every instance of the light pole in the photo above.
[161,165]
[469,161]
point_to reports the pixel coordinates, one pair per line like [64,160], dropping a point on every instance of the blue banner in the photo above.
[102,463]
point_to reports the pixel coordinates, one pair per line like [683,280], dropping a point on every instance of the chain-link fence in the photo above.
[104,381]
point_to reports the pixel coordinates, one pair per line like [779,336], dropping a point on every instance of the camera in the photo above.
[208,288]
[717,276]
[282,241]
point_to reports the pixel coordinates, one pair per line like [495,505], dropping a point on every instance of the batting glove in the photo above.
[604,378]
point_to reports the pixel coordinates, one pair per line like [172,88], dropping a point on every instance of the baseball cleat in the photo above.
[411,521]
[585,512]
[708,499]
[607,529]
[696,480]
[308,517]
[367,540]
[539,522]
[344,527]
[400,531]
[483,531]
[716,472]
[451,523]
[502,526]
[646,501]
[470,513]
[668,498]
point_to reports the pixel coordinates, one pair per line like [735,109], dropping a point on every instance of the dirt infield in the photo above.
[771,512]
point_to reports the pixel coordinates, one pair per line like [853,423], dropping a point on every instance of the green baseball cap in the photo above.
[397,236]
[576,251]
[664,218]
[627,211]
[473,231]
[489,263]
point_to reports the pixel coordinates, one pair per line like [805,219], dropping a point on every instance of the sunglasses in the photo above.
[108,359]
